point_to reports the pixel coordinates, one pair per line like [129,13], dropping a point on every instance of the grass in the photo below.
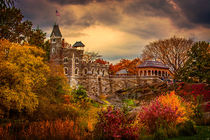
[203,134]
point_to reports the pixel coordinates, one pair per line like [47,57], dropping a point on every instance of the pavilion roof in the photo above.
[153,64]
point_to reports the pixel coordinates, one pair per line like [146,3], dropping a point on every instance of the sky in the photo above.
[119,29]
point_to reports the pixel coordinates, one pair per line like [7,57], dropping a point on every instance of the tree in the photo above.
[37,38]
[172,51]
[129,65]
[197,67]
[101,61]
[91,56]
[6,3]
[22,72]
[14,29]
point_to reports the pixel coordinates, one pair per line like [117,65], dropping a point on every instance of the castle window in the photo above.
[98,72]
[77,61]
[93,71]
[76,71]
[53,40]
[85,71]
[65,59]
[65,70]
[53,50]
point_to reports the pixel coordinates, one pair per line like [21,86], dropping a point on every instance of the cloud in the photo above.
[40,12]
[78,2]
[120,28]
[196,11]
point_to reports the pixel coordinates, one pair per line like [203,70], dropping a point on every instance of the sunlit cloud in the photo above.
[120,28]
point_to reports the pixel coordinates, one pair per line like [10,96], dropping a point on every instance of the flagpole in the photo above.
[57,15]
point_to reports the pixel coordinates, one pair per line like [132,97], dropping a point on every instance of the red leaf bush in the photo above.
[165,111]
[114,123]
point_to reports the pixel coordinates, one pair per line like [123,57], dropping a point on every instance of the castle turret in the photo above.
[55,44]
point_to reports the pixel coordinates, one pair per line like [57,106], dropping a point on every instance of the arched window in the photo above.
[149,73]
[163,73]
[53,50]
[65,60]
[77,61]
[76,71]
[152,72]
[93,71]
[65,70]
[98,72]
[159,73]
[145,73]
[53,40]
[155,72]
[85,71]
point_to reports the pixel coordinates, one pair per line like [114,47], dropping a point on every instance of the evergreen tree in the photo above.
[197,67]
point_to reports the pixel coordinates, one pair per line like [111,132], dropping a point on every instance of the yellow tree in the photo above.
[22,71]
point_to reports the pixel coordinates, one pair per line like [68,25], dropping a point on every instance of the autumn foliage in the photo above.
[129,65]
[165,111]
[58,129]
[22,71]
[114,123]
[101,61]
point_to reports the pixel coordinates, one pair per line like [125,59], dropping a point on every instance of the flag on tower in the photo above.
[57,13]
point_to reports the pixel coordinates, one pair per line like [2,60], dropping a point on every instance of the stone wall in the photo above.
[97,85]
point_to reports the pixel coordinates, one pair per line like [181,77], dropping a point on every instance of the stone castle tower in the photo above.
[71,58]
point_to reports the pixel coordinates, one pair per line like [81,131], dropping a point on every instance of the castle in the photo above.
[94,76]
[71,57]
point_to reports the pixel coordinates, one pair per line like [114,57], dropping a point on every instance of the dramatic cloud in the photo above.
[79,2]
[120,28]
[197,11]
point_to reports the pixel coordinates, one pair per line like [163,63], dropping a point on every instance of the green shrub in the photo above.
[160,134]
[187,129]
[172,132]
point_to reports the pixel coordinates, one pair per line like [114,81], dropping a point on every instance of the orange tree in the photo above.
[130,65]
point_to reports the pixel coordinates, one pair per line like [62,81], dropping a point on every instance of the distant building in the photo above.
[152,69]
